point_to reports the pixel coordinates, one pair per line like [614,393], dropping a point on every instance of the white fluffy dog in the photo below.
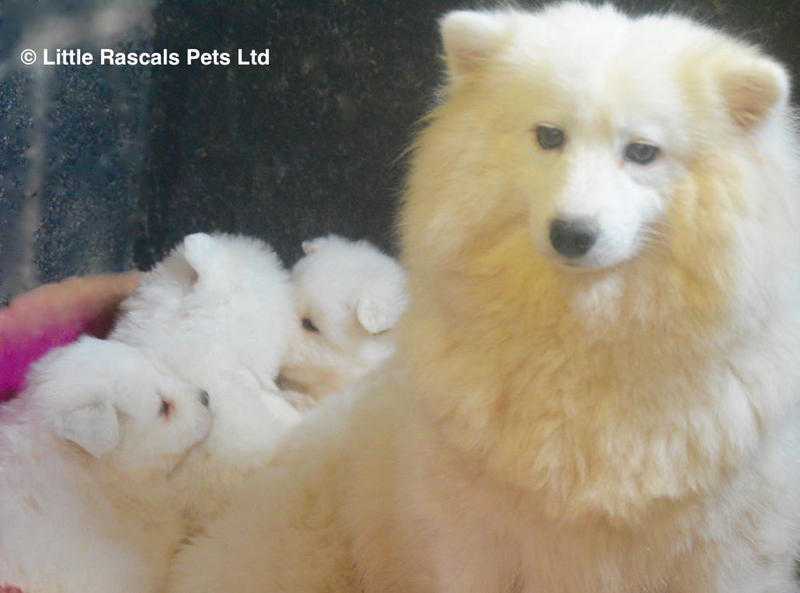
[88,454]
[349,297]
[218,311]
[596,385]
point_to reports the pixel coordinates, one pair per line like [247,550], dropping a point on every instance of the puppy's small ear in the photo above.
[752,88]
[198,249]
[470,38]
[381,306]
[314,245]
[93,427]
[189,260]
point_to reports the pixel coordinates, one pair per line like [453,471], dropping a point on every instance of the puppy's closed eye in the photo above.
[309,326]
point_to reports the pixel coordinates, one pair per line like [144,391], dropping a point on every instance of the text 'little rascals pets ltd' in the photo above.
[164,57]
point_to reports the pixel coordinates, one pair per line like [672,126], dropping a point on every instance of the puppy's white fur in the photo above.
[86,464]
[349,298]
[622,422]
[218,311]
[217,301]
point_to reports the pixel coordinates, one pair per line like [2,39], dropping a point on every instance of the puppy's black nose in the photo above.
[204,397]
[573,238]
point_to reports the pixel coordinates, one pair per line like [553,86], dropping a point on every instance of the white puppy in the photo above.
[217,301]
[87,457]
[218,311]
[349,297]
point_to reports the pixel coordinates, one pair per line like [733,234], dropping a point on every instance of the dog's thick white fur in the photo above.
[87,457]
[606,405]
[219,312]
[349,297]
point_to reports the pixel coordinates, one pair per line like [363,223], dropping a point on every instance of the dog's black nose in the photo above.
[204,397]
[573,238]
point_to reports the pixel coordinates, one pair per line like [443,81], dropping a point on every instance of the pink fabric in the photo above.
[19,348]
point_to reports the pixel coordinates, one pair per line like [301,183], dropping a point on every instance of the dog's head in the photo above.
[349,297]
[578,139]
[112,402]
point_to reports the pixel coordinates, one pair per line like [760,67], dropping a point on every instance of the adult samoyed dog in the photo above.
[597,382]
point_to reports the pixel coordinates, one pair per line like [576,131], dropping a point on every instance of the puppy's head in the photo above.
[216,302]
[578,139]
[349,297]
[112,402]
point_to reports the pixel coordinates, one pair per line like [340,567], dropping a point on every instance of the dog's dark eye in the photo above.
[550,137]
[308,325]
[166,408]
[641,153]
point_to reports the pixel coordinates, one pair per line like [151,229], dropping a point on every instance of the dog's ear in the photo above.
[314,245]
[190,260]
[93,427]
[471,37]
[381,305]
[310,247]
[199,250]
[753,87]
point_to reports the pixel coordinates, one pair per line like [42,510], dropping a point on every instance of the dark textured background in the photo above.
[105,168]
